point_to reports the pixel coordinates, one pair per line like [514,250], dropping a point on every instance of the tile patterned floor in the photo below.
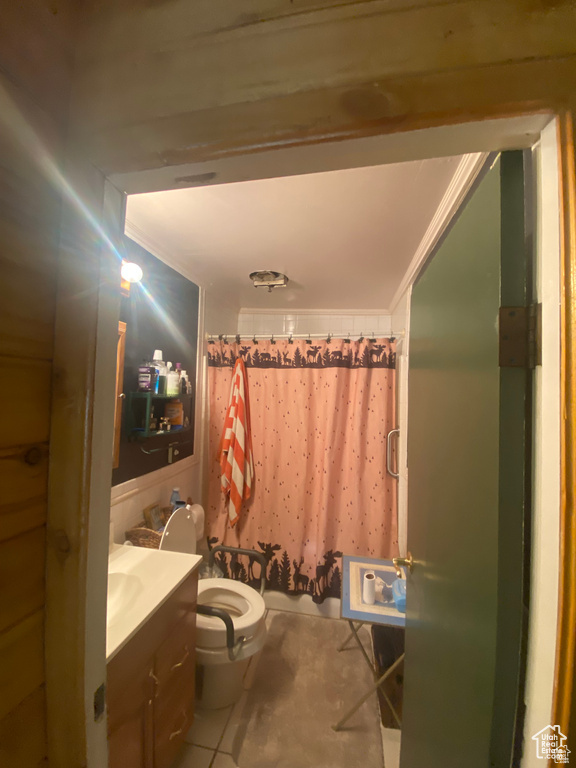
[247,733]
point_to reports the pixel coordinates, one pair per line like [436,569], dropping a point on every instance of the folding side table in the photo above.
[355,610]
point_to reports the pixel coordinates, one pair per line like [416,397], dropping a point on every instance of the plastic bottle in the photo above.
[161,371]
[175,500]
[145,377]
[172,381]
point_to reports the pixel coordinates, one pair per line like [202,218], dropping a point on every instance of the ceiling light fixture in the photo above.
[265,278]
[131,272]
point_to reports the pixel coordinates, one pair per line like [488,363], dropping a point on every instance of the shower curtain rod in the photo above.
[272,336]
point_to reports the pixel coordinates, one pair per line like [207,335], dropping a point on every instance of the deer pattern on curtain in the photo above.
[320,413]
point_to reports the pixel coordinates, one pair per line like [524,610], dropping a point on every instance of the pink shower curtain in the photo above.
[320,413]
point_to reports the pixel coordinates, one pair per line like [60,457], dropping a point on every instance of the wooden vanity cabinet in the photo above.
[174,670]
[150,694]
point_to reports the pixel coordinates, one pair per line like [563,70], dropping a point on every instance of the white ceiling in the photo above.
[344,238]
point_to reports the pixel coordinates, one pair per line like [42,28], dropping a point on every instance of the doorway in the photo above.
[135,182]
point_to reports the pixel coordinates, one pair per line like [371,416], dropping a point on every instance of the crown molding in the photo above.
[468,169]
[143,239]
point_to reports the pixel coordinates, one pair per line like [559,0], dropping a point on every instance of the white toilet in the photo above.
[219,680]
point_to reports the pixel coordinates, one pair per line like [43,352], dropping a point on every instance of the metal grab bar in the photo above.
[219,613]
[251,553]
[389,453]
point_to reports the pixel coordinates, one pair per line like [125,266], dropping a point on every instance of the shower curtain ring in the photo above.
[329,339]
[237,338]
[373,339]
[360,338]
[290,339]
[272,339]
[254,339]
[309,339]
[225,339]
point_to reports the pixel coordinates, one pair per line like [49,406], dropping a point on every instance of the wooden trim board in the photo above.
[566,642]
[82,518]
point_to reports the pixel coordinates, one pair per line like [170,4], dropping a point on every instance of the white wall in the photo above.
[129,499]
[336,323]
[219,316]
[401,322]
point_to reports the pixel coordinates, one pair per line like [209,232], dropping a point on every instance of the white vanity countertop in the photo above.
[139,581]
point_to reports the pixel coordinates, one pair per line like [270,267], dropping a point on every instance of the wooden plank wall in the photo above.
[163,83]
[35,79]
[167,83]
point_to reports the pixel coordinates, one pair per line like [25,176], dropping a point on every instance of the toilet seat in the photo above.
[222,678]
[219,656]
[245,606]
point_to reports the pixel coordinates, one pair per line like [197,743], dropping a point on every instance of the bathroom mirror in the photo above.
[158,313]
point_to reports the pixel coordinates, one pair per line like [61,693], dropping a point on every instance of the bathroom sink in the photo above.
[139,581]
[122,591]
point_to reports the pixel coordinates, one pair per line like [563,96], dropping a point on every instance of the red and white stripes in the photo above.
[236,460]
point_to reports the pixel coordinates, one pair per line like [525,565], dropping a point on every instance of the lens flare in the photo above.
[131,272]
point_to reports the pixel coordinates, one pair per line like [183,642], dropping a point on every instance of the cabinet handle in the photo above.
[179,731]
[180,663]
[156,682]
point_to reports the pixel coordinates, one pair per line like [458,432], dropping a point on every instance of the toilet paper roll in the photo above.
[198,517]
[369,588]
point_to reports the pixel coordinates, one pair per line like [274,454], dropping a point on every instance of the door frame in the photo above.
[566,641]
[78,511]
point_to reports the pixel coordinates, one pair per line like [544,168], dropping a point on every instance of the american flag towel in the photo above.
[235,453]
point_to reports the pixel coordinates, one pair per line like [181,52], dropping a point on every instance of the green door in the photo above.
[467,438]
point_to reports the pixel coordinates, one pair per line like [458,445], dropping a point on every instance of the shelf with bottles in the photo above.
[149,415]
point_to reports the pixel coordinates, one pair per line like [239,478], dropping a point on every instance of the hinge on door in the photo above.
[520,331]
[99,702]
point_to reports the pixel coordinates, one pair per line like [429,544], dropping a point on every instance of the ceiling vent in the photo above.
[264,278]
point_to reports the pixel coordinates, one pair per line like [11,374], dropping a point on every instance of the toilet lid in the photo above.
[180,533]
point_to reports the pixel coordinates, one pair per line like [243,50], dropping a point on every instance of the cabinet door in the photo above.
[174,668]
[130,719]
